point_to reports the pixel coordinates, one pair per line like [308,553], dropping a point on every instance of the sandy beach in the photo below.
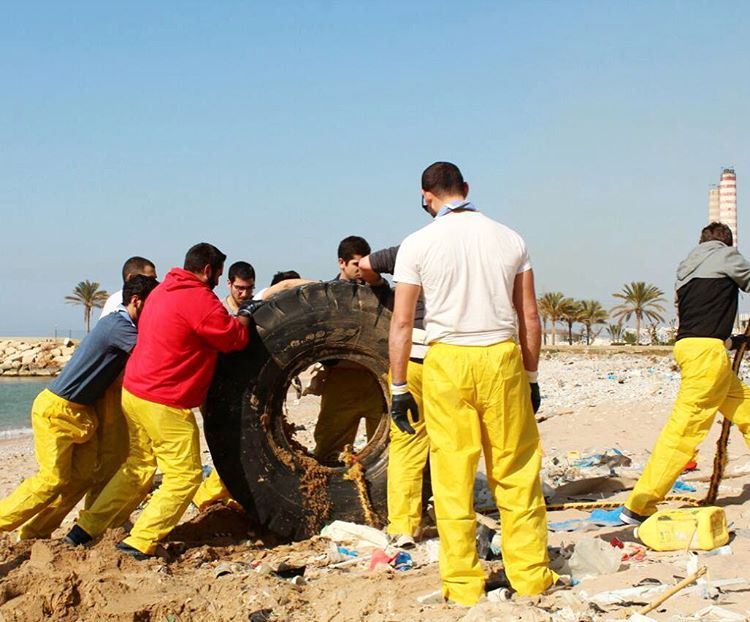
[591,402]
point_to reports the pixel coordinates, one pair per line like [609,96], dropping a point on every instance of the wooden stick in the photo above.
[672,591]
[487,521]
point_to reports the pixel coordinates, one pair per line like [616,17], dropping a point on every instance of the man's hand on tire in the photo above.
[536,397]
[401,405]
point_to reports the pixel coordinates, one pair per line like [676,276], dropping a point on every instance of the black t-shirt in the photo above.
[384,262]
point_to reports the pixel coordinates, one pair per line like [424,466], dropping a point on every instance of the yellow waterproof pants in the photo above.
[708,385]
[407,457]
[349,395]
[476,398]
[112,449]
[212,490]
[163,437]
[65,448]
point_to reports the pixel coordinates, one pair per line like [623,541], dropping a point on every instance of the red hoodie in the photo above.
[181,330]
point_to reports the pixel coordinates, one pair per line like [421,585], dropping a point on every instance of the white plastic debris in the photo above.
[718,614]
[593,557]
[640,593]
[361,537]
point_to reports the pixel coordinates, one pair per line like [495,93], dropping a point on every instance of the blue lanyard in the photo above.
[453,205]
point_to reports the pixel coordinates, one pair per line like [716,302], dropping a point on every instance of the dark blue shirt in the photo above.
[98,360]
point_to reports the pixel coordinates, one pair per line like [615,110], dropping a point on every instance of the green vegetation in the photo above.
[87,294]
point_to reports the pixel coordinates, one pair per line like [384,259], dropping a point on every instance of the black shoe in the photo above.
[133,552]
[77,537]
[631,518]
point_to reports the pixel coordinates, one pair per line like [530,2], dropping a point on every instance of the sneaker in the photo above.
[403,542]
[133,552]
[631,518]
[77,537]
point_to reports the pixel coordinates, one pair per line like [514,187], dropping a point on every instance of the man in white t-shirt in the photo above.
[134,265]
[480,389]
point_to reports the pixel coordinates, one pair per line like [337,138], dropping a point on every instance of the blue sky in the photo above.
[275,129]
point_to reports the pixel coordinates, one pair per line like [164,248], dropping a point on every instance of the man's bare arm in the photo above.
[529,326]
[402,322]
[368,274]
[283,286]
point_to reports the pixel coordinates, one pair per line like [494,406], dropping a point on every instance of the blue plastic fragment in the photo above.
[680,486]
[607,518]
[402,561]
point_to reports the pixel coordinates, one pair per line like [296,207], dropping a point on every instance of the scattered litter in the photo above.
[361,537]
[402,561]
[712,612]
[722,550]
[426,552]
[286,571]
[673,590]
[680,486]
[597,518]
[639,594]
[488,543]
[378,557]
[593,557]
[501,594]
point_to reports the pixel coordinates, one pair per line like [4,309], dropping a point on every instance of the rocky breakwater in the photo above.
[43,357]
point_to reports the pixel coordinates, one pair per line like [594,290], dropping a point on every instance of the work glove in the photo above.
[401,404]
[536,398]
[735,341]
[248,307]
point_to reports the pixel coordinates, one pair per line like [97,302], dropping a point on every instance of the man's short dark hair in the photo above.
[351,246]
[135,265]
[202,255]
[442,179]
[285,276]
[241,270]
[138,285]
[717,231]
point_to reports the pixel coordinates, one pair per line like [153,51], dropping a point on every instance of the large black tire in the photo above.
[279,484]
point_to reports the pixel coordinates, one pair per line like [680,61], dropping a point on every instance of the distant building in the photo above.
[722,201]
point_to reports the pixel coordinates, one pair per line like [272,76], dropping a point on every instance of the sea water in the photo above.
[16,396]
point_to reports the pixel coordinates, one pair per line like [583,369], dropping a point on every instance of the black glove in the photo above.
[737,341]
[400,407]
[248,307]
[536,398]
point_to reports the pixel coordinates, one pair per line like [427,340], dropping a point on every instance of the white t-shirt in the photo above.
[114,301]
[466,265]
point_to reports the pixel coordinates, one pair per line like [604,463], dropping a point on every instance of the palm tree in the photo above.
[553,304]
[571,314]
[615,332]
[545,317]
[591,312]
[88,294]
[642,300]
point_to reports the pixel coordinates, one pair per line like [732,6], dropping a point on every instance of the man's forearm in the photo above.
[399,348]
[530,340]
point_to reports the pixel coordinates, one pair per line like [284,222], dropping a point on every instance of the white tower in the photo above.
[714,213]
[728,200]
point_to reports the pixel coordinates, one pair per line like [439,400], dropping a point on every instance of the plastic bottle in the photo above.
[701,529]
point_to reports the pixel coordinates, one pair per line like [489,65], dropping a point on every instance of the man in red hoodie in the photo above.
[181,332]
